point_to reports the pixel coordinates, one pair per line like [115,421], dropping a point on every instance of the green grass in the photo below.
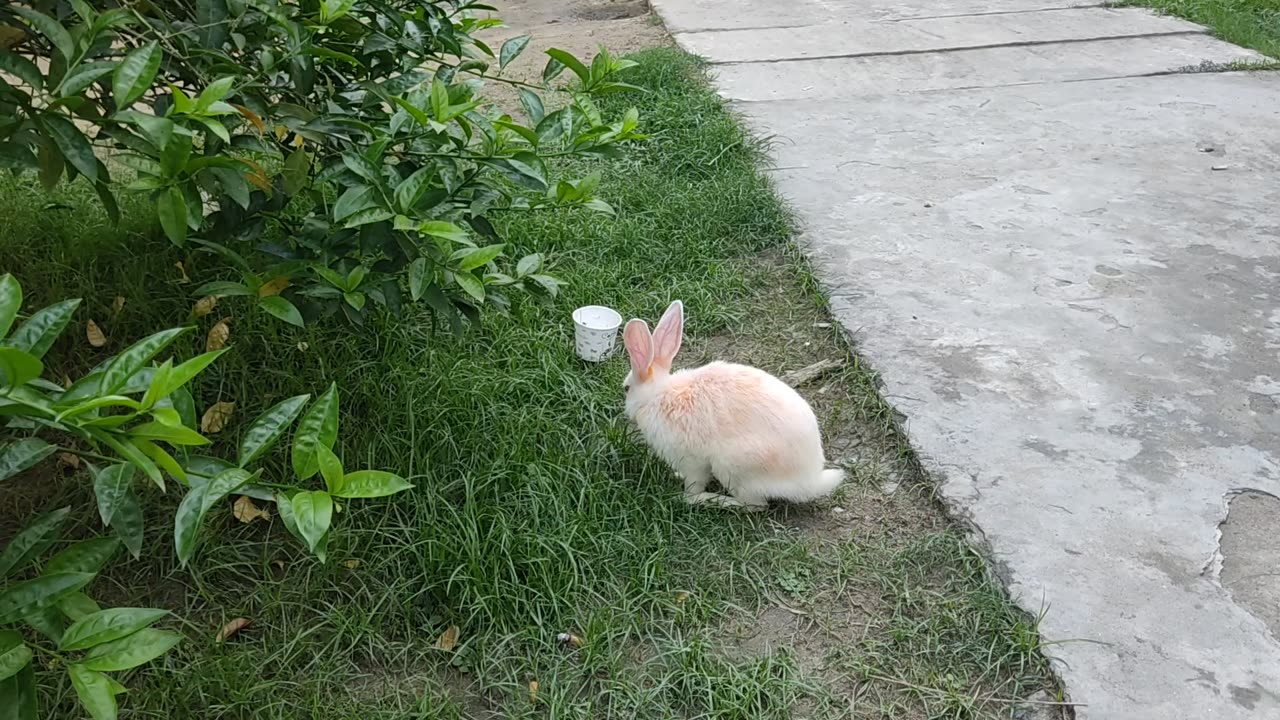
[1249,23]
[536,511]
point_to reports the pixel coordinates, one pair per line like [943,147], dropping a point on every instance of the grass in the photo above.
[1250,23]
[537,512]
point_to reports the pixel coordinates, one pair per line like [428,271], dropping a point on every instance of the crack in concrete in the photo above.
[989,46]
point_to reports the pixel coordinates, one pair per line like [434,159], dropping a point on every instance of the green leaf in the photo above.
[312,512]
[111,485]
[470,284]
[33,595]
[216,91]
[32,541]
[86,556]
[297,169]
[131,651]
[371,484]
[82,77]
[51,164]
[330,468]
[77,605]
[159,386]
[211,22]
[108,625]
[267,429]
[530,166]
[51,29]
[18,696]
[319,426]
[178,435]
[418,278]
[10,302]
[472,258]
[39,332]
[361,167]
[511,50]
[127,450]
[282,309]
[368,216]
[233,184]
[548,283]
[411,189]
[414,112]
[18,367]
[128,523]
[568,60]
[532,105]
[529,264]
[176,155]
[135,357]
[354,299]
[182,374]
[197,503]
[162,458]
[223,288]
[21,68]
[439,99]
[96,404]
[14,654]
[442,229]
[72,143]
[172,209]
[355,199]
[95,691]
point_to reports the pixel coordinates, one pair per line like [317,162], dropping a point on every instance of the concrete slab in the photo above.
[841,78]
[683,16]
[1071,288]
[1080,318]
[858,37]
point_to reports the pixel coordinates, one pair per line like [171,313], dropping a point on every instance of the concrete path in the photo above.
[1062,253]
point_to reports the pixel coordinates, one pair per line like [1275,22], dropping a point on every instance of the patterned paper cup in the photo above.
[595,332]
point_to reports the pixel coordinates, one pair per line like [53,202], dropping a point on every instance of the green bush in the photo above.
[357,131]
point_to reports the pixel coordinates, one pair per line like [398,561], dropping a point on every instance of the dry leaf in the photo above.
[681,597]
[229,630]
[533,691]
[216,417]
[570,639]
[205,305]
[94,334]
[183,269]
[252,117]
[68,460]
[246,512]
[274,287]
[118,305]
[279,564]
[448,639]
[66,381]
[218,335]
[303,346]
[351,564]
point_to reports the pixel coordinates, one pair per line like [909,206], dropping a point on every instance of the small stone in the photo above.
[1220,167]
[822,324]
[1207,148]
[837,510]
[928,204]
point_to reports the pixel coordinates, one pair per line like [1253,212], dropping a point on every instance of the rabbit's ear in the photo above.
[668,334]
[639,347]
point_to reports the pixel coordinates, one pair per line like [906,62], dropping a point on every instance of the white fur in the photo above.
[754,433]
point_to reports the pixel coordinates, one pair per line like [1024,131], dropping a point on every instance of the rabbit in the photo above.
[749,429]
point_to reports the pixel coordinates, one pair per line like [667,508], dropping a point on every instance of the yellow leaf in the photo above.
[231,628]
[217,417]
[533,691]
[302,346]
[246,512]
[218,335]
[94,334]
[281,131]
[182,269]
[570,639]
[205,305]
[118,305]
[351,564]
[274,287]
[260,181]
[448,639]
[298,141]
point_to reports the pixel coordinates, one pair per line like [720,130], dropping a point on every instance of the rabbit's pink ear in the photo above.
[639,347]
[668,334]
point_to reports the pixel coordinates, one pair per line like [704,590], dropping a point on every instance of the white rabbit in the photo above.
[747,428]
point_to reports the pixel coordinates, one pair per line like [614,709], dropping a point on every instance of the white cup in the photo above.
[595,332]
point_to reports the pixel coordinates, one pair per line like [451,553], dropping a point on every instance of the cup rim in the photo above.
[615,318]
